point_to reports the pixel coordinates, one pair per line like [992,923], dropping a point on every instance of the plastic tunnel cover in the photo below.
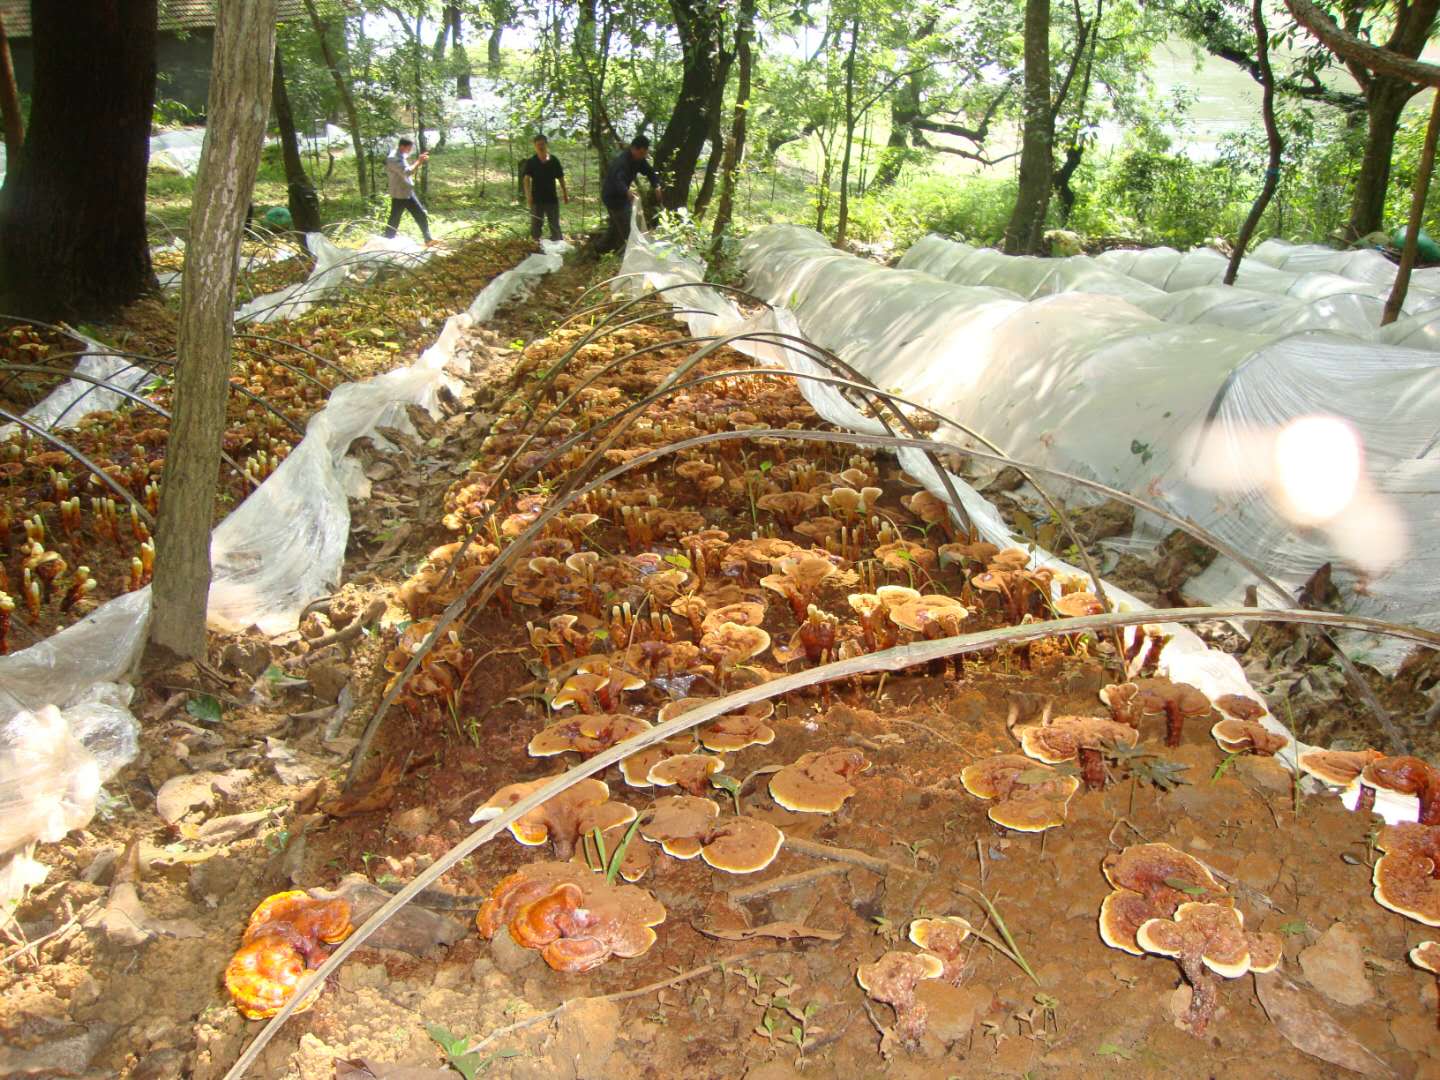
[795,268]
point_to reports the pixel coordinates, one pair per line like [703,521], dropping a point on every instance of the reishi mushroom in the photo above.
[818,782]
[1177,702]
[690,772]
[1405,876]
[283,940]
[1247,736]
[679,824]
[1150,881]
[571,915]
[562,819]
[1024,796]
[1407,776]
[742,845]
[1342,769]
[1213,937]
[945,937]
[1075,738]
[892,979]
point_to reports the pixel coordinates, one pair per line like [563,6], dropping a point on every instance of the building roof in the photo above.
[175,15]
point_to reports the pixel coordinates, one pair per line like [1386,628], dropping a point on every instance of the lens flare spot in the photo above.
[1317,467]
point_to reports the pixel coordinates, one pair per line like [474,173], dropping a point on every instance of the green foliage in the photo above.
[972,208]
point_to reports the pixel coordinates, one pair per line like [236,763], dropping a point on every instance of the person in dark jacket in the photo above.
[540,174]
[615,192]
[400,178]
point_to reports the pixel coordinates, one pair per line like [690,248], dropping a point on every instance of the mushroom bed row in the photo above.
[720,568]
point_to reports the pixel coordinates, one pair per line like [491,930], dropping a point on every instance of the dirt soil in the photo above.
[95,985]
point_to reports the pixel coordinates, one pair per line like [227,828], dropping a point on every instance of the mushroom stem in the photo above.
[1365,804]
[1092,767]
[1151,662]
[1203,993]
[1174,722]
[1137,641]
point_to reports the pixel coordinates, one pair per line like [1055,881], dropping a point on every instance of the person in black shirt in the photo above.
[615,192]
[540,174]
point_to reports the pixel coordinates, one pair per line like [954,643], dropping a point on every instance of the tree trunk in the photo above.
[842,222]
[493,58]
[304,204]
[1025,233]
[1396,301]
[462,58]
[10,113]
[1273,141]
[712,165]
[347,98]
[1385,101]
[904,111]
[705,65]
[240,82]
[735,148]
[72,211]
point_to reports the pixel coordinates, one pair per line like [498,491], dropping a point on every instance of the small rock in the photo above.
[101,867]
[509,957]
[328,678]
[250,658]
[67,1052]
[1335,965]
[413,823]
[952,1010]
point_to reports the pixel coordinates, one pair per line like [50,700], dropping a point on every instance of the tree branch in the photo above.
[1350,48]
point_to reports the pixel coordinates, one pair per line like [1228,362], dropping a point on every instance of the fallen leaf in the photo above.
[181,794]
[412,929]
[223,830]
[376,795]
[1306,1025]
[783,931]
[124,920]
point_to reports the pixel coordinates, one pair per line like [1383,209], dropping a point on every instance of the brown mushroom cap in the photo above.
[1403,775]
[1404,877]
[635,863]
[732,643]
[1165,876]
[1011,559]
[691,772]
[1213,932]
[741,613]
[735,732]
[928,612]
[1240,707]
[742,845]
[611,728]
[1026,796]
[1122,913]
[561,737]
[977,553]
[892,596]
[577,688]
[1238,736]
[1077,604]
[1339,768]
[680,824]
[891,980]
[559,819]
[819,782]
[1062,739]
[1426,956]
[945,937]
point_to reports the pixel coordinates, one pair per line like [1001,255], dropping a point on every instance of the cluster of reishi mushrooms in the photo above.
[636,611]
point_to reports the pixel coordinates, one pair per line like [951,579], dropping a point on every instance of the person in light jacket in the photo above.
[400,172]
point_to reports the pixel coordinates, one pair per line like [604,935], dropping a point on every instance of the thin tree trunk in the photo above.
[347,98]
[303,202]
[462,58]
[842,223]
[493,57]
[1396,302]
[10,113]
[240,83]
[1025,233]
[735,148]
[712,164]
[1272,139]
[73,241]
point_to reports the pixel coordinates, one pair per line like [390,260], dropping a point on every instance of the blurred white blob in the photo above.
[1317,463]
[1312,472]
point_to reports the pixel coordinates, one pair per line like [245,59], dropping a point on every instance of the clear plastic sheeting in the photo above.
[74,399]
[335,268]
[1343,306]
[1092,385]
[1362,264]
[797,263]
